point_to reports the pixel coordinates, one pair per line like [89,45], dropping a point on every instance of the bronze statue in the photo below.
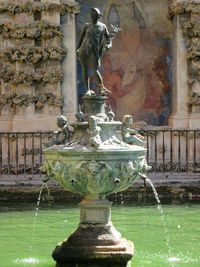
[94,39]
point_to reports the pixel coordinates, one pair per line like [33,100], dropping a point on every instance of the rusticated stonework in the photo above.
[189,12]
[32,54]
[29,78]
[31,51]
[34,30]
[10,101]
[34,7]
[184,6]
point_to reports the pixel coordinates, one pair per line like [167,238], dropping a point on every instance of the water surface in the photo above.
[27,237]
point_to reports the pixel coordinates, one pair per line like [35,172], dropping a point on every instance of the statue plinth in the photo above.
[95,105]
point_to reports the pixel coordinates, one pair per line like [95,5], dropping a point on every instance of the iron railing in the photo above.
[167,151]
[173,150]
[21,152]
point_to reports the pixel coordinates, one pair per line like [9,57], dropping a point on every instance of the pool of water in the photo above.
[27,236]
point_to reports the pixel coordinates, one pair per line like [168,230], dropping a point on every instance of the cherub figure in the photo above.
[129,134]
[94,132]
[90,48]
[63,135]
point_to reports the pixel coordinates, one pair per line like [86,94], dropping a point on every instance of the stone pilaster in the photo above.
[186,56]
[68,87]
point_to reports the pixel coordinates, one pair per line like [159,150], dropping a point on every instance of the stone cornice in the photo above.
[34,7]
[32,54]
[177,7]
[29,77]
[34,30]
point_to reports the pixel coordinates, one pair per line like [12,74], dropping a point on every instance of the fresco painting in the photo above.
[137,70]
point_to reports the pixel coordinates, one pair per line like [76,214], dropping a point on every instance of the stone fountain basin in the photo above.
[95,173]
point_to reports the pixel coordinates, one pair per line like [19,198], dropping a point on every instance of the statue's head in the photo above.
[61,121]
[127,119]
[95,13]
[92,121]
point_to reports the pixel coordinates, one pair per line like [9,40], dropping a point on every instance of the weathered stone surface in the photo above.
[34,30]
[28,6]
[117,255]
[188,14]
[32,54]
[30,77]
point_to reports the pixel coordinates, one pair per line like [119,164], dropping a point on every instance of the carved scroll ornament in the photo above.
[33,7]
[32,54]
[29,77]
[34,30]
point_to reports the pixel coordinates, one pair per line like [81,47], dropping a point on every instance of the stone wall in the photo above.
[32,47]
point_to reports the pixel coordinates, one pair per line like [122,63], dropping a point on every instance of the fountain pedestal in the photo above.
[95,162]
[96,243]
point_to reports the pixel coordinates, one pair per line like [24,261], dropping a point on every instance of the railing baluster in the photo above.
[1,156]
[9,154]
[25,155]
[186,151]
[194,151]
[17,153]
[155,132]
[40,162]
[179,151]
[163,150]
[32,150]
[171,151]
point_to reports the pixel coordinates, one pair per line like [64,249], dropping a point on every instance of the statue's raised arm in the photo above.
[94,39]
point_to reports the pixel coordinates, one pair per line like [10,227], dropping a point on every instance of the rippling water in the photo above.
[29,241]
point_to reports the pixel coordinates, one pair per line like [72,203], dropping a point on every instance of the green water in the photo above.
[28,240]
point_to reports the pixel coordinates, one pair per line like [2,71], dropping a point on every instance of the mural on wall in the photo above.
[137,70]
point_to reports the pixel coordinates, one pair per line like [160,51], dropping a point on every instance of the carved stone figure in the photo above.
[94,132]
[90,48]
[129,134]
[63,135]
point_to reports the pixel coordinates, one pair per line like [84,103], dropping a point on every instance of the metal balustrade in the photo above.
[169,151]
[173,150]
[21,153]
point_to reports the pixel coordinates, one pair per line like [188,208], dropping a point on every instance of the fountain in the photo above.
[95,156]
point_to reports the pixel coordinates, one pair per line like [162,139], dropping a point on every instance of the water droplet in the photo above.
[173,259]
[27,260]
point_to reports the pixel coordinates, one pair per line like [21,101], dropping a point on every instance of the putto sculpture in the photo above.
[90,48]
[102,156]
[94,132]
[129,135]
